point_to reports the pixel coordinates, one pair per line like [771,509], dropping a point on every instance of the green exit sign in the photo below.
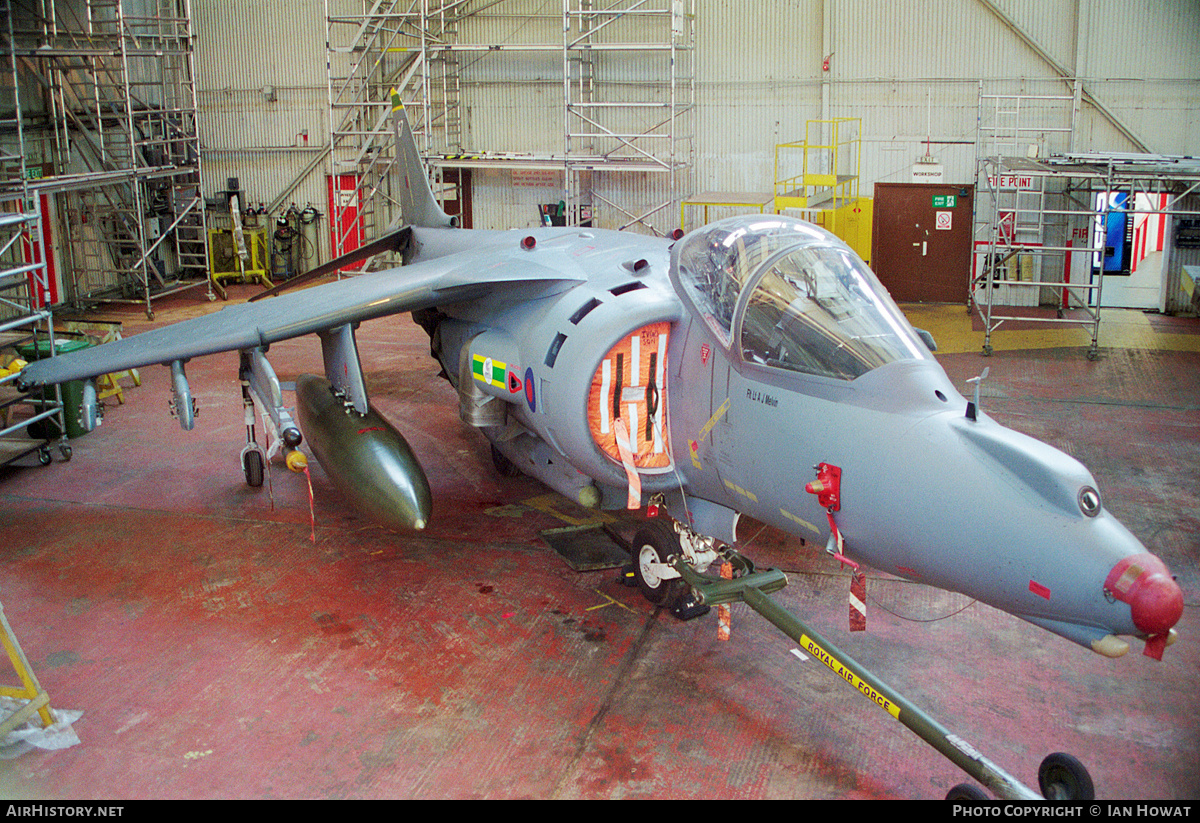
[945,201]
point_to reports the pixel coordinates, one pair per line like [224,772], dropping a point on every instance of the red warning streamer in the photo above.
[858,601]
[724,615]
[312,513]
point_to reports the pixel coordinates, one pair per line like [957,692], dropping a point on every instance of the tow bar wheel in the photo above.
[967,793]
[1063,777]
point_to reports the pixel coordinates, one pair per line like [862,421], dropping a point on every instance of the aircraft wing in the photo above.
[441,281]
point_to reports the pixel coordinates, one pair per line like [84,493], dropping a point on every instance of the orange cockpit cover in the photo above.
[630,384]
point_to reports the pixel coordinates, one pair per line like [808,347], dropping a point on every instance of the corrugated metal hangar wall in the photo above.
[912,70]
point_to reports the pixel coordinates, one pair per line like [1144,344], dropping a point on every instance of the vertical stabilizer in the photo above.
[417,204]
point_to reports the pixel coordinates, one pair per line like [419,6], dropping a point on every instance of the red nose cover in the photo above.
[1155,600]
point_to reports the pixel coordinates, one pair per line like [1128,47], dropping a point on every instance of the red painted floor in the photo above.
[216,650]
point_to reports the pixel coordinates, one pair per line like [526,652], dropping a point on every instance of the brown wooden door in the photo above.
[458,205]
[921,241]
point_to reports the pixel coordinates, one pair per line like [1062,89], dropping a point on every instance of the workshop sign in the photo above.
[927,173]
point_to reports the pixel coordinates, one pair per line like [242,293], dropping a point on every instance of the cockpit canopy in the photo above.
[782,293]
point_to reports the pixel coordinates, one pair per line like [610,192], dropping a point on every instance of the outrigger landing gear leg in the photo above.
[260,383]
[1060,776]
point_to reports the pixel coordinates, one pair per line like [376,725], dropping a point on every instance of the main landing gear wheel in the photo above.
[653,545]
[1062,777]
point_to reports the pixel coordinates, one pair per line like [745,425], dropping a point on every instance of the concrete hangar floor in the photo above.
[221,645]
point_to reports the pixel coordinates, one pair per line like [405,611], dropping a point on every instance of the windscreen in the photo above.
[716,262]
[814,307]
[819,310]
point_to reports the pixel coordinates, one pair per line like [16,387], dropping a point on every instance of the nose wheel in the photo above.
[653,545]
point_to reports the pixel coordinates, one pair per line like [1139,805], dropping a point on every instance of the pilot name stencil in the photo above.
[762,397]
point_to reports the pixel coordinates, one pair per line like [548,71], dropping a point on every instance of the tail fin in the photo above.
[417,204]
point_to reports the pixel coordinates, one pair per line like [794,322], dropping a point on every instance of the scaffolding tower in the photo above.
[28,422]
[392,44]
[645,128]
[111,132]
[1042,212]
[609,128]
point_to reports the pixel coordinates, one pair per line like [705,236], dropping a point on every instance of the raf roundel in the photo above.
[530,394]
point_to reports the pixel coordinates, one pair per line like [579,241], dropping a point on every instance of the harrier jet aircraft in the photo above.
[708,375]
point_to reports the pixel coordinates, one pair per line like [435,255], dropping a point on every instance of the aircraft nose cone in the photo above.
[1155,600]
[1157,606]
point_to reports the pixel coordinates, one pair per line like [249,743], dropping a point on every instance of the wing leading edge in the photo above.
[442,281]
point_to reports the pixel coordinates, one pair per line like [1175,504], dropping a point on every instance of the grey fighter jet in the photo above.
[704,375]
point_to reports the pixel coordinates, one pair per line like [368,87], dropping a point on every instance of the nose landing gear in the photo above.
[669,561]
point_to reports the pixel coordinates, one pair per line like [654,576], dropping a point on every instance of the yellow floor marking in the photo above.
[548,504]
[610,602]
[950,326]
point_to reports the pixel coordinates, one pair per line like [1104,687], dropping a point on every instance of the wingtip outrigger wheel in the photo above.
[253,465]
